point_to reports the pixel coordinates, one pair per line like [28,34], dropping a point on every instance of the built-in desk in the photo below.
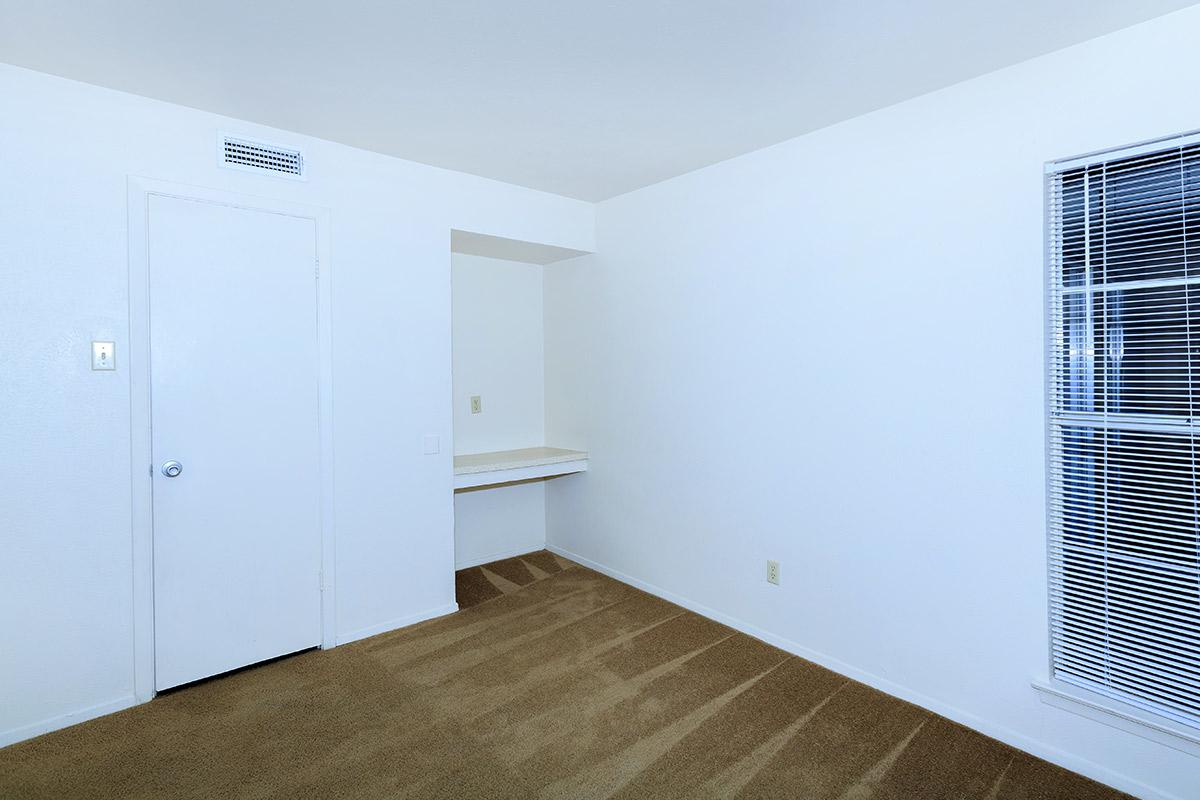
[506,466]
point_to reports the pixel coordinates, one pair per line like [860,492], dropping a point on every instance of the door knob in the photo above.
[172,469]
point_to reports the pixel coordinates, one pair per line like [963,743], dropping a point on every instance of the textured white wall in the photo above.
[66,150]
[830,353]
[497,343]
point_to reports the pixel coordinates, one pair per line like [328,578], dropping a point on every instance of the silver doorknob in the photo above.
[172,469]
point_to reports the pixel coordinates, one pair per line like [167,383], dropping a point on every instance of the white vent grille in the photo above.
[260,157]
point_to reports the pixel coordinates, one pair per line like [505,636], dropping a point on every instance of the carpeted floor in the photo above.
[474,585]
[553,682]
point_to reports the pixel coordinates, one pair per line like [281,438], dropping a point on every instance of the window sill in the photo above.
[1119,715]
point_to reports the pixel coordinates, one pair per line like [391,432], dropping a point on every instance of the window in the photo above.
[1124,402]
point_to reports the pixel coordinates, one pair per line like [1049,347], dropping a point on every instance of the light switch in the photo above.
[433,445]
[476,404]
[104,355]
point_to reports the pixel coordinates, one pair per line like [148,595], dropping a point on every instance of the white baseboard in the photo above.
[401,622]
[66,720]
[511,553]
[1036,747]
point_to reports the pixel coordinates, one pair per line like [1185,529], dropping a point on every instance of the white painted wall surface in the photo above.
[498,355]
[66,150]
[830,353]
[495,522]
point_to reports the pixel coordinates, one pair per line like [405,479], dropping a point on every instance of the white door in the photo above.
[234,381]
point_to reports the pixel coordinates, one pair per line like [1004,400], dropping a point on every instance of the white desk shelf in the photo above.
[506,466]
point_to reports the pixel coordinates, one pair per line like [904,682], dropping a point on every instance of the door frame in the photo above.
[140,190]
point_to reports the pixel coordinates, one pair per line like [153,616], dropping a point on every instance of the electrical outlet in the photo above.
[476,404]
[104,355]
[773,572]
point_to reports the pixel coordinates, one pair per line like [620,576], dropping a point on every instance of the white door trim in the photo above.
[138,363]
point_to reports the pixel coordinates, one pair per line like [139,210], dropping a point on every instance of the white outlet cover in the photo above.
[104,355]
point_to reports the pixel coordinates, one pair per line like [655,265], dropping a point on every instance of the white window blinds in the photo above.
[1124,397]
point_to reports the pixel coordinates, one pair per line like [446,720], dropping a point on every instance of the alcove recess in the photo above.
[501,456]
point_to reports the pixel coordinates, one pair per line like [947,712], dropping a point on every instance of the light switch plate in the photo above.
[104,355]
[476,404]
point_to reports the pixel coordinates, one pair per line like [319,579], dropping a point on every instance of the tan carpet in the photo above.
[474,585]
[560,683]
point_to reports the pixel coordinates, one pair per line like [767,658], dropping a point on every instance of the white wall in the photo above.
[495,522]
[830,353]
[66,150]
[498,355]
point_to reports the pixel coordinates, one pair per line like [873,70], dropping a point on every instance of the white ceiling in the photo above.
[585,99]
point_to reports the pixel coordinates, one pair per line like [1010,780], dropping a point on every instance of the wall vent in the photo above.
[267,159]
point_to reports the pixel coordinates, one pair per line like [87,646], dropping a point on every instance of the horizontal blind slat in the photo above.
[1123,376]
